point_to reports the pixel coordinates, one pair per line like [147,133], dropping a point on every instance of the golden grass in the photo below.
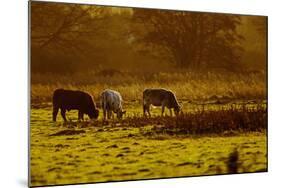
[186,85]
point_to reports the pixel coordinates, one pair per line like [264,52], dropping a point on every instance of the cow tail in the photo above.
[143,99]
[55,104]
[143,103]
[103,103]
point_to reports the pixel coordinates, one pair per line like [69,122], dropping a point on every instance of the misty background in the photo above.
[69,39]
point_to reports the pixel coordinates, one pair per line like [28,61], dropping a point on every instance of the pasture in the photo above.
[134,148]
[214,66]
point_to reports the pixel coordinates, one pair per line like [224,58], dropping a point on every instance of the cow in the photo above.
[67,100]
[160,97]
[111,101]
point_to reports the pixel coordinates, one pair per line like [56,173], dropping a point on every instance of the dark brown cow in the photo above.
[74,100]
[160,97]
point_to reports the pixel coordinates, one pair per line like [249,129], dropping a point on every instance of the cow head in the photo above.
[94,114]
[177,110]
[120,114]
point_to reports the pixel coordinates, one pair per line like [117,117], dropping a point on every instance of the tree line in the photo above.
[69,37]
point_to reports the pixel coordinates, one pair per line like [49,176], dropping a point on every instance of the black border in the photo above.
[119,6]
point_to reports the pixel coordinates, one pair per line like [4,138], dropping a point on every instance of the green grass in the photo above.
[115,152]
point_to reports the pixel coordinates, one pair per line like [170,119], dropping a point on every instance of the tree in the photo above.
[191,39]
[67,26]
[63,35]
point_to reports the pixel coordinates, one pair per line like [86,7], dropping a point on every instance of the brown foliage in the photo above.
[224,121]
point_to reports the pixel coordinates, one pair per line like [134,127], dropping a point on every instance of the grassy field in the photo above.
[78,152]
[222,130]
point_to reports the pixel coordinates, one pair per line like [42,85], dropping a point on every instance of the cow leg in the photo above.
[55,112]
[62,112]
[104,114]
[148,110]
[111,114]
[171,113]
[108,114]
[144,110]
[163,109]
[80,115]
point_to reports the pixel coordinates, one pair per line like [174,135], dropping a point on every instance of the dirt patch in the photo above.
[112,146]
[144,170]
[185,163]
[68,132]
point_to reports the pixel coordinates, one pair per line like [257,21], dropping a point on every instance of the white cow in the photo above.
[111,101]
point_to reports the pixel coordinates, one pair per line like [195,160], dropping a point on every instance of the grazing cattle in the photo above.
[160,97]
[74,100]
[111,101]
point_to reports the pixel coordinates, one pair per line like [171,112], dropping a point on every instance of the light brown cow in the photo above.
[160,97]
